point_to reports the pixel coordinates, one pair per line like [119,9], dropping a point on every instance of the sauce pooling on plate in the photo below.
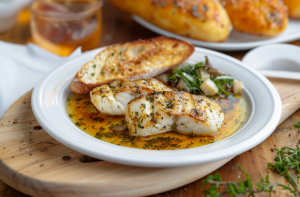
[87,118]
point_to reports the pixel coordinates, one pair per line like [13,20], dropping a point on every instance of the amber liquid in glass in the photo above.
[63,35]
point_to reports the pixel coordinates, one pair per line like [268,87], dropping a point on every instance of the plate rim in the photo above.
[222,46]
[192,160]
[290,50]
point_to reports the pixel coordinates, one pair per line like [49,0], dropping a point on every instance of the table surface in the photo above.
[117,28]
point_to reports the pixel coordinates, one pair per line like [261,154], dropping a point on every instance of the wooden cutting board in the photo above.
[36,164]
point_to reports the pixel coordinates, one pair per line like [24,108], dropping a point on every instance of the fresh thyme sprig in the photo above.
[241,188]
[223,82]
[190,76]
[287,165]
[297,126]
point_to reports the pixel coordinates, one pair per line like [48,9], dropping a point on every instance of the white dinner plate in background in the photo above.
[275,60]
[236,40]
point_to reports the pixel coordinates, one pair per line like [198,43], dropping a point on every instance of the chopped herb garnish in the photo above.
[99,119]
[149,98]
[191,77]
[102,129]
[162,143]
[102,73]
[223,82]
[297,126]
[94,65]
[287,164]
[113,69]
[92,74]
[169,105]
[98,135]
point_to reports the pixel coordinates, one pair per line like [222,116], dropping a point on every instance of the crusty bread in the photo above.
[260,17]
[203,20]
[141,59]
[293,8]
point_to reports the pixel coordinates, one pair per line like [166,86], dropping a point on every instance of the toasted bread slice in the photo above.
[141,59]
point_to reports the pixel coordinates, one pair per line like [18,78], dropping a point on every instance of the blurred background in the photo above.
[87,23]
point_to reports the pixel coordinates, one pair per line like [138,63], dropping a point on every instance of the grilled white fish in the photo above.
[173,111]
[112,98]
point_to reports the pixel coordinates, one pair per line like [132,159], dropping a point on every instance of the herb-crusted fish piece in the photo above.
[112,98]
[141,59]
[173,111]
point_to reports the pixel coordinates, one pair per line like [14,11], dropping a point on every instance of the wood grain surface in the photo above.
[118,27]
[33,162]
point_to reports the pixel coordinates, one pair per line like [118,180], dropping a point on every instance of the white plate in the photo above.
[236,40]
[49,99]
[275,60]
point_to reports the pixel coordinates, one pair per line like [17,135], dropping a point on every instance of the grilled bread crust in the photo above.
[203,20]
[293,8]
[260,17]
[141,59]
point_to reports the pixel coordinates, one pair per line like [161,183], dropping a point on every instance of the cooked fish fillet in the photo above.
[141,59]
[112,98]
[173,111]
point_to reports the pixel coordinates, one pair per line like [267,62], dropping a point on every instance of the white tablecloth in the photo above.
[21,67]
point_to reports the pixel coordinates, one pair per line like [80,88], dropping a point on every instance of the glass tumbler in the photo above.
[60,26]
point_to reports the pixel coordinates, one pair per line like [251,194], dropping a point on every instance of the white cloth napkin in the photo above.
[21,67]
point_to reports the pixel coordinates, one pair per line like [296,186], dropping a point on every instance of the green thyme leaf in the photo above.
[297,126]
[240,188]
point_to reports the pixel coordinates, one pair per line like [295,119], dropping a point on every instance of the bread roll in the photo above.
[293,8]
[204,20]
[260,17]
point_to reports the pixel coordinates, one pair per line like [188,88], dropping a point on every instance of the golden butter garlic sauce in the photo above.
[86,117]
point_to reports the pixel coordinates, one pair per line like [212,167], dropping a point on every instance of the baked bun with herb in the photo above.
[141,59]
[260,17]
[202,20]
[293,8]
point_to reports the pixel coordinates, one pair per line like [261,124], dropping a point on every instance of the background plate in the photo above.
[236,40]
